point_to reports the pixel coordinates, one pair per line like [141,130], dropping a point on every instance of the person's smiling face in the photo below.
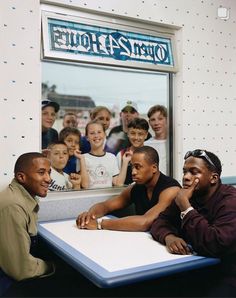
[48,117]
[96,135]
[36,178]
[137,136]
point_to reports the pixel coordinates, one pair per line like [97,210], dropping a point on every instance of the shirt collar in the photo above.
[29,201]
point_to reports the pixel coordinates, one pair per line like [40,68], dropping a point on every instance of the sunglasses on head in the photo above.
[199,153]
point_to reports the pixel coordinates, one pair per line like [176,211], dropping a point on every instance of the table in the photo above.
[114,258]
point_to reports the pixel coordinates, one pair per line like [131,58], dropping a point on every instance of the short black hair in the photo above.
[25,160]
[65,132]
[216,161]
[139,123]
[151,155]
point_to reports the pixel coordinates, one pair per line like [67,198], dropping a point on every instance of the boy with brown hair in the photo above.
[158,121]
[58,154]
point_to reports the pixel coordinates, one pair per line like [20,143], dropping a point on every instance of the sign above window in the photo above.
[77,40]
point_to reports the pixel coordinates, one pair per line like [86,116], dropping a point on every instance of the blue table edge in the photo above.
[104,278]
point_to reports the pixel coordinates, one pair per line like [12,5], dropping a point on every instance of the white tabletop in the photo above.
[110,258]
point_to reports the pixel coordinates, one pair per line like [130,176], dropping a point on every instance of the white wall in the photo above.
[20,82]
[204,91]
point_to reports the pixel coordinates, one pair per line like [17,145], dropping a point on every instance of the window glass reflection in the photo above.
[111,96]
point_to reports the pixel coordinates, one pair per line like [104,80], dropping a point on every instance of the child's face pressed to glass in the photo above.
[48,117]
[72,142]
[104,117]
[59,156]
[137,136]
[96,134]
[158,123]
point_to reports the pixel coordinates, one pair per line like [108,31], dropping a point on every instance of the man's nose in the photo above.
[187,176]
[48,177]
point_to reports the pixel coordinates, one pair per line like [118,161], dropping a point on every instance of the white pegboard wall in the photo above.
[20,82]
[204,87]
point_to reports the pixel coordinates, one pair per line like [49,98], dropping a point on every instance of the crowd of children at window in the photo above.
[98,160]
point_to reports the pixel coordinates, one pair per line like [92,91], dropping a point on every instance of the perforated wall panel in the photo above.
[20,82]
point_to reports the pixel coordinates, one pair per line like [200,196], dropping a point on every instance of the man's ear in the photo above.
[154,167]
[20,177]
[214,178]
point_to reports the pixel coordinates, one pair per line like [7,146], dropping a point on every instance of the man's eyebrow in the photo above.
[191,168]
[136,164]
[42,169]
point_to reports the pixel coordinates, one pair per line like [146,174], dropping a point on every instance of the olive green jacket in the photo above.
[18,222]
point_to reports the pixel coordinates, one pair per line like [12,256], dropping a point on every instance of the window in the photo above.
[79,87]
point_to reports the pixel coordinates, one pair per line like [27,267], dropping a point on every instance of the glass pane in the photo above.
[81,88]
